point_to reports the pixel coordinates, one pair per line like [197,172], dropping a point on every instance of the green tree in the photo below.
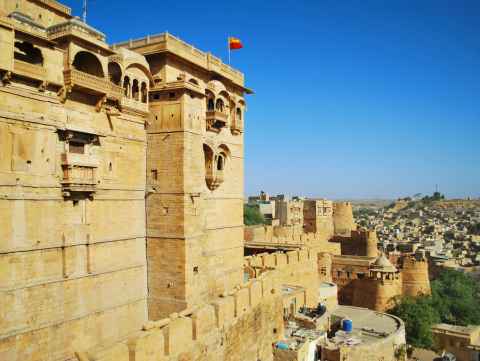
[419,316]
[252,215]
[455,298]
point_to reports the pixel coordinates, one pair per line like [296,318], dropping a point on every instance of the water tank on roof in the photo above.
[281,345]
[347,325]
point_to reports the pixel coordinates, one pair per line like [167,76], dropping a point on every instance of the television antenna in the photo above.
[84,11]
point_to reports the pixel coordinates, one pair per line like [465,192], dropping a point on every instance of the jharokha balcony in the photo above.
[216,120]
[28,70]
[91,83]
[79,173]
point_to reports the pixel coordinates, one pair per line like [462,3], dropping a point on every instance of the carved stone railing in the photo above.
[79,173]
[134,105]
[75,27]
[29,70]
[79,78]
[237,125]
[114,91]
[216,120]
[214,178]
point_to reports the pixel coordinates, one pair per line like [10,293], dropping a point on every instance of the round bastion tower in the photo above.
[380,288]
[415,279]
[343,222]
[372,243]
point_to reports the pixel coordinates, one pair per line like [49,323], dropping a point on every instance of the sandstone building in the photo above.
[121,191]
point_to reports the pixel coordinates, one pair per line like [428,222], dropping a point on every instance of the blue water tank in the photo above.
[347,325]
[281,345]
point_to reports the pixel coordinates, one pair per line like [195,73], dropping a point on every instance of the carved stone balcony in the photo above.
[114,91]
[214,179]
[85,81]
[79,173]
[28,70]
[237,126]
[215,120]
[133,105]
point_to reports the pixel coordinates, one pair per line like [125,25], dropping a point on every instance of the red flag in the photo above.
[234,43]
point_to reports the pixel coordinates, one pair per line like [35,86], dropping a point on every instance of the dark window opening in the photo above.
[28,53]
[88,63]
[126,86]
[239,114]
[195,269]
[220,163]
[154,174]
[156,96]
[76,147]
[219,105]
[210,105]
[135,90]
[115,73]
[171,95]
[144,91]
[110,166]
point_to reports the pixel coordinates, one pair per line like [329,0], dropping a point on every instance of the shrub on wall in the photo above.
[252,215]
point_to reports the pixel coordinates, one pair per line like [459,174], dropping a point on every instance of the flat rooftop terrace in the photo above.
[368,325]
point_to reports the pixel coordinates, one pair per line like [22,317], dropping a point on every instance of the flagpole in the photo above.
[228,47]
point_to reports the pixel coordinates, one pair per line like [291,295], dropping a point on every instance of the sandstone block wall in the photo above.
[73,271]
[297,268]
[359,243]
[194,225]
[240,326]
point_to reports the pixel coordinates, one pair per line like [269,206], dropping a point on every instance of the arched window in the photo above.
[28,53]
[114,73]
[210,105]
[135,89]
[239,114]
[144,92]
[219,105]
[220,162]
[88,63]
[126,86]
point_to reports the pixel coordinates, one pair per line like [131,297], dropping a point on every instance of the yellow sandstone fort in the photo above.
[121,215]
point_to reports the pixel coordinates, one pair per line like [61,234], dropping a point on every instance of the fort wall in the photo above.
[239,326]
[298,267]
[359,243]
[415,279]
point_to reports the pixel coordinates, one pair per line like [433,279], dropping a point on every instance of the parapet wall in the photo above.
[289,236]
[359,243]
[298,267]
[239,326]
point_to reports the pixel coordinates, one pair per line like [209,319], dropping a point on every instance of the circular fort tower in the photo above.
[371,243]
[381,286]
[343,222]
[415,279]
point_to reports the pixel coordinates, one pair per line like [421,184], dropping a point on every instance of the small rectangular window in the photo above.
[76,147]
[154,174]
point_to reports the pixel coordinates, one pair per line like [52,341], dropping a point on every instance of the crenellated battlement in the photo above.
[181,332]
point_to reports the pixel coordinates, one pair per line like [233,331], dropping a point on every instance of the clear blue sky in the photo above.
[353,99]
